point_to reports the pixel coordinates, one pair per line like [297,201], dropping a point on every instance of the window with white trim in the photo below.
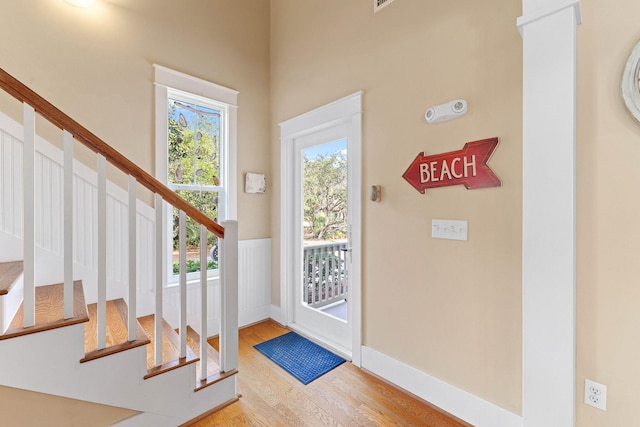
[195,157]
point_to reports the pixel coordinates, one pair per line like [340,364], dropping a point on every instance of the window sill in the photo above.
[194,281]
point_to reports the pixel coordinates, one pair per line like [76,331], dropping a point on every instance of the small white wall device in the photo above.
[447,111]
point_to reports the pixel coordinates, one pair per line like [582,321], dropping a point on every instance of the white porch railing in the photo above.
[72,131]
[325,273]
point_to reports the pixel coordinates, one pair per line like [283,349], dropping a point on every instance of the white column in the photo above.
[29,221]
[159,281]
[229,282]
[102,253]
[68,224]
[183,283]
[204,312]
[133,260]
[548,31]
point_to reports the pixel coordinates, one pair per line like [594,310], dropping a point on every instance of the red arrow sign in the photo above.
[466,167]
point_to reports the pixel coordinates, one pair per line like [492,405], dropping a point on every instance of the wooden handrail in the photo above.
[47,110]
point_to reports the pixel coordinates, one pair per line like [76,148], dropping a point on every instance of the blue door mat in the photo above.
[300,357]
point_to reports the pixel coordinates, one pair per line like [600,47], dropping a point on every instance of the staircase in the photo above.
[63,336]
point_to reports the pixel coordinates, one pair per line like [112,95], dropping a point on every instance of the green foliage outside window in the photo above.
[325,197]
[193,265]
[194,159]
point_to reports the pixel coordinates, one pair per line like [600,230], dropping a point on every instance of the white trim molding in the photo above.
[166,78]
[186,83]
[453,400]
[549,9]
[169,83]
[548,30]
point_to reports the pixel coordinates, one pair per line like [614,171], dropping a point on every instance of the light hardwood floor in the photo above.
[346,396]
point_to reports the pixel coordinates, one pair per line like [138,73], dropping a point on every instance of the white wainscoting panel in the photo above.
[49,218]
[254,290]
[10,184]
[254,280]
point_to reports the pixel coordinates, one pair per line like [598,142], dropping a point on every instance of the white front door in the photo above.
[320,256]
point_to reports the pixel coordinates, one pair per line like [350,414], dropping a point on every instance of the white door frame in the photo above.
[345,110]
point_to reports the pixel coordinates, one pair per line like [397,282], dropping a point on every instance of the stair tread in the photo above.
[193,341]
[170,348]
[117,334]
[49,301]
[213,360]
[9,273]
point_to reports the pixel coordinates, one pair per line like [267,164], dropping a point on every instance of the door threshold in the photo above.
[321,341]
[338,309]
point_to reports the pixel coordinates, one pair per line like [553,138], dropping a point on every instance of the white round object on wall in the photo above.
[631,83]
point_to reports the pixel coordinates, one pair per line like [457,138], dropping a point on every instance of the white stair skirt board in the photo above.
[451,399]
[48,362]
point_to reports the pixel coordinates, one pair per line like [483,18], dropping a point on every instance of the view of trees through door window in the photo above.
[194,171]
[325,192]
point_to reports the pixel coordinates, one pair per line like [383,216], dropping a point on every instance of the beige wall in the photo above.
[451,309]
[17,408]
[96,65]
[608,206]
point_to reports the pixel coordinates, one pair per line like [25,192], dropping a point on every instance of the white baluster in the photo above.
[28,176]
[68,224]
[331,273]
[183,284]
[132,322]
[325,274]
[102,252]
[305,281]
[203,302]
[317,269]
[229,292]
[314,272]
[158,281]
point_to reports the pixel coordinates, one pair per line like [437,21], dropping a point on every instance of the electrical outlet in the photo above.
[595,394]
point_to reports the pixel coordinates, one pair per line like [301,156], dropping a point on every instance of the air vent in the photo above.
[379,4]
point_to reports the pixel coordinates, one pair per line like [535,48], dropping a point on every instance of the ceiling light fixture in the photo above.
[82,3]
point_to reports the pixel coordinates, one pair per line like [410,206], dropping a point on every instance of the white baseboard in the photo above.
[453,400]
[277,313]
[458,403]
[146,419]
[255,315]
